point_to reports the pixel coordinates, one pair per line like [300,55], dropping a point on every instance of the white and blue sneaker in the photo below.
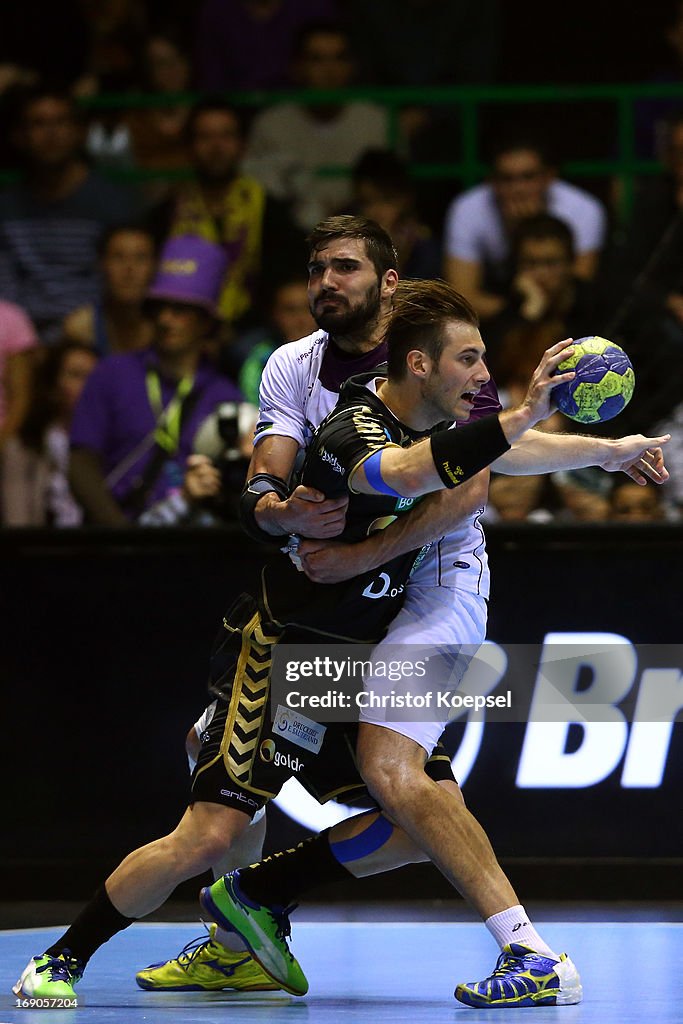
[523,977]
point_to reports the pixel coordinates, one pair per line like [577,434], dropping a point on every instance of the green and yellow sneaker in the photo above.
[264,929]
[203,965]
[51,977]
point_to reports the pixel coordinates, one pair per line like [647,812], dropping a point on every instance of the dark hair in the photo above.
[320,27]
[378,244]
[44,407]
[23,99]
[384,169]
[119,229]
[420,312]
[513,143]
[542,226]
[211,105]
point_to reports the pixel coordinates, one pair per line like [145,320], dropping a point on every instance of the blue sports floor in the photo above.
[632,971]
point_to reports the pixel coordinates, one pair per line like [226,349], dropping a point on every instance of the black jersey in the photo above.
[359,609]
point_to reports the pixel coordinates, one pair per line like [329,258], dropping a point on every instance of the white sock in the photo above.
[513,925]
[231,940]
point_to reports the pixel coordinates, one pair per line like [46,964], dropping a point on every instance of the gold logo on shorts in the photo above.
[267,751]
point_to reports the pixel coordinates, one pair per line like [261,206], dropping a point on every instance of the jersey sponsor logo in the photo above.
[262,425]
[298,729]
[331,460]
[461,565]
[381,587]
[403,504]
[307,354]
[269,753]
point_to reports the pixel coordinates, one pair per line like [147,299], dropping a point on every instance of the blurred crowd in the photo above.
[152,241]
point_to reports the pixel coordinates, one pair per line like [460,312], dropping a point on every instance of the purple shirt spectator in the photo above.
[235,50]
[114,416]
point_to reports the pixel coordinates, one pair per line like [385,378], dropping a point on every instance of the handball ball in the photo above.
[603,384]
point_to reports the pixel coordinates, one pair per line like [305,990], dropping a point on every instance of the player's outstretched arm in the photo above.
[450,457]
[332,561]
[638,456]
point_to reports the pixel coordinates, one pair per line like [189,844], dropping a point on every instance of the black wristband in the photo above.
[461,452]
[254,489]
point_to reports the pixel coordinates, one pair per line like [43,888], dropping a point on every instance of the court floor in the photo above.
[373,971]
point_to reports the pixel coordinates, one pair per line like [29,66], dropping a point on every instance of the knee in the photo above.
[206,834]
[387,780]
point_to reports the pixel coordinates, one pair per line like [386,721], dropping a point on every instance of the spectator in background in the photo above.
[629,503]
[289,318]
[519,499]
[51,222]
[547,301]
[289,142]
[152,138]
[158,134]
[34,490]
[229,208]
[584,494]
[248,44]
[646,286]
[651,115]
[481,222]
[118,321]
[383,191]
[116,31]
[134,426]
[18,341]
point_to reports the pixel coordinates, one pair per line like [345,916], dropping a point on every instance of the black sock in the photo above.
[283,877]
[95,924]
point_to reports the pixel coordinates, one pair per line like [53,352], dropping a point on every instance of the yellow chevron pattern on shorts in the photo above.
[249,702]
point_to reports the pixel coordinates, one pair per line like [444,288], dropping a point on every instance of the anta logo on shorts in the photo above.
[269,753]
[240,797]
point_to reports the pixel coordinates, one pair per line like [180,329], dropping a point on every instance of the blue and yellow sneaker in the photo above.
[264,929]
[524,978]
[51,977]
[203,965]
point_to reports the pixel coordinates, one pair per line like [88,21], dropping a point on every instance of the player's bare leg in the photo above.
[148,876]
[392,767]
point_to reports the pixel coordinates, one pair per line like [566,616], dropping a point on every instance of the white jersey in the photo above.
[293,402]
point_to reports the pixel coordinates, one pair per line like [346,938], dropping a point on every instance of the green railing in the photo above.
[470,167]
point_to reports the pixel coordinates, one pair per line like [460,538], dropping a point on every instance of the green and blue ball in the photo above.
[603,384]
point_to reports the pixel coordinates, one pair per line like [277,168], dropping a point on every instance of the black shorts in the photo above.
[244,758]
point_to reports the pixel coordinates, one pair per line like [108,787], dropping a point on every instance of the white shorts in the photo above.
[432,617]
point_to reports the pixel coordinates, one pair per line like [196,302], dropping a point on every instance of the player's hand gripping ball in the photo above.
[603,384]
